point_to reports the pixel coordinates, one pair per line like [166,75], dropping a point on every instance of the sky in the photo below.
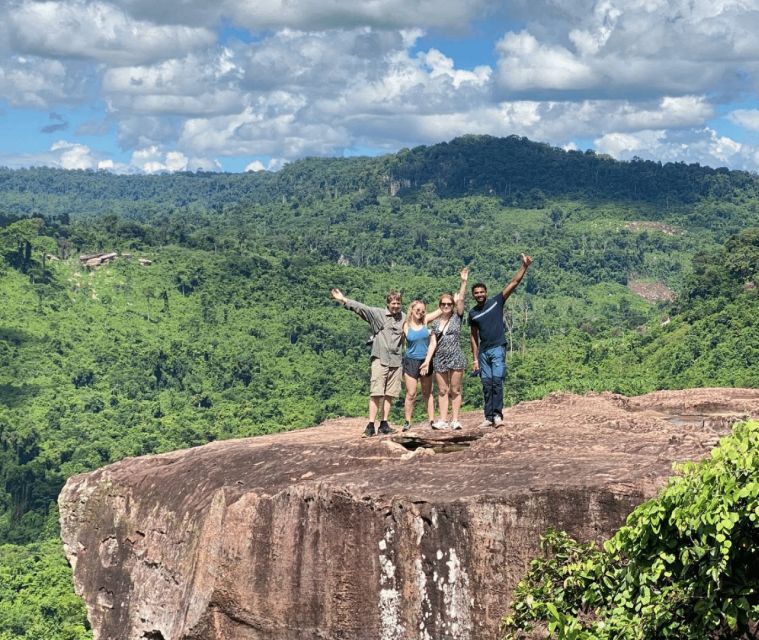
[135,86]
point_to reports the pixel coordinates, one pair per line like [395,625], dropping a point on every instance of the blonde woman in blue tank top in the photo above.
[415,371]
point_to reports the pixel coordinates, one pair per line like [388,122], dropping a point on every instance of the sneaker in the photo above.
[406,426]
[440,424]
[369,431]
[385,428]
[455,425]
[485,424]
[497,421]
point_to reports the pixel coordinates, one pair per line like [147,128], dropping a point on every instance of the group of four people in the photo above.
[433,340]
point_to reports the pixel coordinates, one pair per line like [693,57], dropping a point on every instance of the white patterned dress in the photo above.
[448,354]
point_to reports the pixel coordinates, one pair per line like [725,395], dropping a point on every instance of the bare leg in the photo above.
[410,401]
[374,406]
[442,394]
[386,407]
[457,375]
[429,400]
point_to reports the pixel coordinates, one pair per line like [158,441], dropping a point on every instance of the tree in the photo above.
[685,566]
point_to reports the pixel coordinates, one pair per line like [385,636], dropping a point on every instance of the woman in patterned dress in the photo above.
[447,357]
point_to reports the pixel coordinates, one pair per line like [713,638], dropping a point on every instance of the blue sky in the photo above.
[141,86]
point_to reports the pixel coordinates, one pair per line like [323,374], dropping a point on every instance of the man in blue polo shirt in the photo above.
[488,343]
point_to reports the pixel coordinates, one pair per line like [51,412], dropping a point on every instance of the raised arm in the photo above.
[514,283]
[429,317]
[372,315]
[336,294]
[460,295]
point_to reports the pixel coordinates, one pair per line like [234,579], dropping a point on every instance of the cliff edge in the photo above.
[320,534]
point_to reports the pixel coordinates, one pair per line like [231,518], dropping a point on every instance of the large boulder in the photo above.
[320,534]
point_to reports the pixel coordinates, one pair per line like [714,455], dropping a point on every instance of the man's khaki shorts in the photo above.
[386,381]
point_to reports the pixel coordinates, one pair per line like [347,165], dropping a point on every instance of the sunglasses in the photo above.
[446,304]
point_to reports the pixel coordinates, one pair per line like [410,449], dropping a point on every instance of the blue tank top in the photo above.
[417,341]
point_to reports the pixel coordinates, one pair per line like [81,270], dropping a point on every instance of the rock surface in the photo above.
[320,534]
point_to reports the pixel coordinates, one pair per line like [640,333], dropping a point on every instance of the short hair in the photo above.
[446,295]
[393,295]
[479,285]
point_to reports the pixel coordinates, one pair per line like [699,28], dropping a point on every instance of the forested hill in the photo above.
[516,169]
[228,330]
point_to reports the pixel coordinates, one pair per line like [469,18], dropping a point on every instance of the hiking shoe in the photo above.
[497,421]
[384,428]
[406,426]
[440,424]
[485,424]
[369,431]
[455,425]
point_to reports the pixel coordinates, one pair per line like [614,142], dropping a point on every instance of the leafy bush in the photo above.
[36,599]
[685,565]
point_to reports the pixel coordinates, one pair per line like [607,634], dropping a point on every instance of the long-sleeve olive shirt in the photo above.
[387,330]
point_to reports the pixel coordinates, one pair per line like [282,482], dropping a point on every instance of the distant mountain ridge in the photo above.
[516,169]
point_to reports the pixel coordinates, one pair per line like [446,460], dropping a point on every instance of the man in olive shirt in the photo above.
[387,342]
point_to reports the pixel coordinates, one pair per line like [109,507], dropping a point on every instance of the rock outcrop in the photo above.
[320,534]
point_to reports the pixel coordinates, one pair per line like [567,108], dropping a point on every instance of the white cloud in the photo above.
[313,14]
[28,82]
[704,146]
[62,155]
[137,131]
[668,112]
[155,160]
[97,31]
[192,86]
[259,133]
[330,14]
[527,64]
[620,145]
[274,164]
[299,102]
[724,148]
[564,122]
[256,165]
[637,48]
[590,40]
[746,118]
[442,66]
[74,156]
[316,77]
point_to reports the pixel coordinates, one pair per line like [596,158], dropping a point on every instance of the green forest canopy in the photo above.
[230,332]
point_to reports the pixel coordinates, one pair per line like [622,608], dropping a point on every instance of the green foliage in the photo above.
[726,272]
[230,332]
[36,599]
[684,566]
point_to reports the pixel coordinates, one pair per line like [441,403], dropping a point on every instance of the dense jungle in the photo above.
[214,319]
